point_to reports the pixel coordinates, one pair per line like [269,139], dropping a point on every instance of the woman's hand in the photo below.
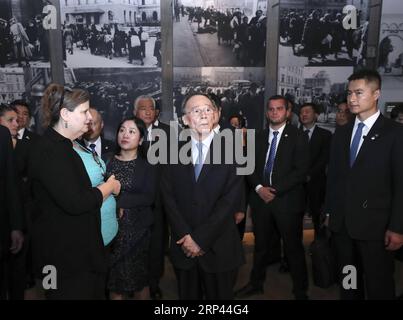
[115,185]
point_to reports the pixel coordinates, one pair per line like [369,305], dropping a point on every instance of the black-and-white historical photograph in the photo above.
[114,90]
[26,84]
[111,33]
[326,87]
[390,57]
[312,33]
[23,40]
[219,33]
[239,90]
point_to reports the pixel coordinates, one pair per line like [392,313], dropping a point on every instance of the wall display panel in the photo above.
[113,91]
[312,33]
[111,33]
[219,33]
[390,57]
[240,90]
[23,40]
[325,86]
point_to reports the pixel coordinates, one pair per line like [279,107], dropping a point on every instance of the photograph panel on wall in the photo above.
[26,84]
[390,57]
[114,90]
[312,33]
[23,40]
[325,86]
[219,33]
[111,33]
[240,91]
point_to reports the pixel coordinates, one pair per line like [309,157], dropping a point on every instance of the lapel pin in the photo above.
[374,137]
[286,135]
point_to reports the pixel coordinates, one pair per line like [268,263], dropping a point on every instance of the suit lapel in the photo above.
[373,135]
[282,145]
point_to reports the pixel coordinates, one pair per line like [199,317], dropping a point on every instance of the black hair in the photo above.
[6,108]
[23,103]
[312,105]
[143,131]
[279,97]
[367,75]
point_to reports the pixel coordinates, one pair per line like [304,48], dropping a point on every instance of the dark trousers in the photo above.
[315,197]
[158,243]
[79,286]
[196,284]
[374,265]
[289,225]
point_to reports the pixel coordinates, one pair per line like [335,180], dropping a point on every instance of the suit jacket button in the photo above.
[365,204]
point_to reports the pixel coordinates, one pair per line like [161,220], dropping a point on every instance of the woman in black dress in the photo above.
[67,227]
[129,258]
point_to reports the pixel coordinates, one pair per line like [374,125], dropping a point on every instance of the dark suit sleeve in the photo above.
[331,175]
[178,224]
[319,165]
[144,196]
[396,219]
[13,193]
[255,178]
[223,213]
[300,167]
[60,176]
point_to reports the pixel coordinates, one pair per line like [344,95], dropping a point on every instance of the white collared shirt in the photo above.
[310,130]
[271,136]
[98,145]
[368,123]
[206,146]
[21,133]
[217,129]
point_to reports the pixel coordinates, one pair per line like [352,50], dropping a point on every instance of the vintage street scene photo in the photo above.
[326,87]
[240,91]
[312,33]
[111,33]
[23,40]
[219,33]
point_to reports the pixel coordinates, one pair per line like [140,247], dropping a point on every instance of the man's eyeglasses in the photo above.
[198,111]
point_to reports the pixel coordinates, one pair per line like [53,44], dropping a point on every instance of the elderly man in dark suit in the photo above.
[319,146]
[364,190]
[282,162]
[94,140]
[200,197]
[11,213]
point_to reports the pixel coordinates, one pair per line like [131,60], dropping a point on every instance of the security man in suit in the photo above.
[11,212]
[364,190]
[282,163]
[319,146]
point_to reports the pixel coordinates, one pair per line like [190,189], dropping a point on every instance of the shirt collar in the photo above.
[96,142]
[206,141]
[217,129]
[369,122]
[21,133]
[280,130]
[310,130]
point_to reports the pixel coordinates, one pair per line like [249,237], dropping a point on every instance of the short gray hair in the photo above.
[143,97]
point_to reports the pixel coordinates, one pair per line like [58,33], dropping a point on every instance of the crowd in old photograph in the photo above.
[103,216]
[320,33]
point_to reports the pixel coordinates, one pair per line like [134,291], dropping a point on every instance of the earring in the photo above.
[66,125]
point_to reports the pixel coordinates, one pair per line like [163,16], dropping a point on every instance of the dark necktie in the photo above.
[199,162]
[92,147]
[307,131]
[356,143]
[272,155]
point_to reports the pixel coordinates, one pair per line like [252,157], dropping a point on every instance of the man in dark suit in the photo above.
[145,108]
[282,162]
[11,213]
[24,120]
[364,190]
[94,140]
[319,146]
[200,200]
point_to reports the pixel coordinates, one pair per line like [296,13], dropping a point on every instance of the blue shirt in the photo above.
[95,170]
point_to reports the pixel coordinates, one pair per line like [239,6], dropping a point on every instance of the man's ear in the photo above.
[102,124]
[377,94]
[185,120]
